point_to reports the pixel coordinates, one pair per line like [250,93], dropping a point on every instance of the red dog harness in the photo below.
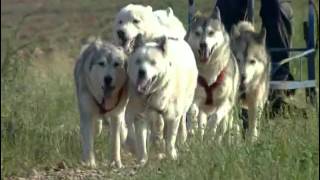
[209,89]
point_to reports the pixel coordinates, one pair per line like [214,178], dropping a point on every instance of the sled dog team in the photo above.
[157,82]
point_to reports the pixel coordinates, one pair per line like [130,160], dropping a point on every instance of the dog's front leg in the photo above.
[123,132]
[115,140]
[192,119]
[202,120]
[254,113]
[87,131]
[141,130]
[182,131]
[171,136]
[234,135]
[220,118]
[99,127]
[130,143]
[157,133]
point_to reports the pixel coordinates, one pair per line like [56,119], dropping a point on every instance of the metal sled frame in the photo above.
[309,51]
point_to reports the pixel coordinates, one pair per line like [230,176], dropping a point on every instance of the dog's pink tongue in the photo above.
[204,55]
[141,85]
[110,102]
[204,59]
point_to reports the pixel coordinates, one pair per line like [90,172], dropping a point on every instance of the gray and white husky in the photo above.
[101,88]
[249,47]
[218,79]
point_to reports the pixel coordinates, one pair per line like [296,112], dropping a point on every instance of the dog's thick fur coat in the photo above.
[163,78]
[101,89]
[218,80]
[135,19]
[249,48]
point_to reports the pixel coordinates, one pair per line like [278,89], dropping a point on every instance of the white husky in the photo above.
[163,77]
[135,19]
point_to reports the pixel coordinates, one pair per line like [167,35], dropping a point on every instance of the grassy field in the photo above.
[40,121]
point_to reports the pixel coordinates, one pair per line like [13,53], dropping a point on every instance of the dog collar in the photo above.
[209,89]
[103,110]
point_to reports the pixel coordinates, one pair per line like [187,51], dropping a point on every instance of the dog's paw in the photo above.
[252,137]
[173,153]
[161,156]
[89,164]
[116,164]
[142,162]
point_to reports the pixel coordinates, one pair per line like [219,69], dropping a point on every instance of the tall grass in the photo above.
[287,149]
[36,113]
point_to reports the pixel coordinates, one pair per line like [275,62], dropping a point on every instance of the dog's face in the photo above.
[106,68]
[147,64]
[206,35]
[250,51]
[130,21]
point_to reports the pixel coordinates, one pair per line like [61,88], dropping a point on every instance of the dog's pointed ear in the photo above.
[138,42]
[89,51]
[169,11]
[149,8]
[234,31]
[196,16]
[216,14]
[162,44]
[262,36]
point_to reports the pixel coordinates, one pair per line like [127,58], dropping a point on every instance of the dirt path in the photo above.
[64,172]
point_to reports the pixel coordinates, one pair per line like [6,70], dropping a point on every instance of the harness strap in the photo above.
[209,89]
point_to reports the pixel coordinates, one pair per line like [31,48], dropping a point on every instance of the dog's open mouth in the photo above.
[144,85]
[242,90]
[205,53]
[108,90]
[110,99]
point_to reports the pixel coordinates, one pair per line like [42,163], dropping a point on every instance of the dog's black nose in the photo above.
[107,80]
[141,74]
[121,35]
[203,45]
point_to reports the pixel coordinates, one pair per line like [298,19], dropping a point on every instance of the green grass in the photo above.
[284,151]
[40,119]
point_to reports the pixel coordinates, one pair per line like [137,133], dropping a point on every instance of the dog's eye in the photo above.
[101,64]
[116,64]
[138,61]
[120,22]
[210,33]
[136,21]
[197,33]
[153,62]
[252,61]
